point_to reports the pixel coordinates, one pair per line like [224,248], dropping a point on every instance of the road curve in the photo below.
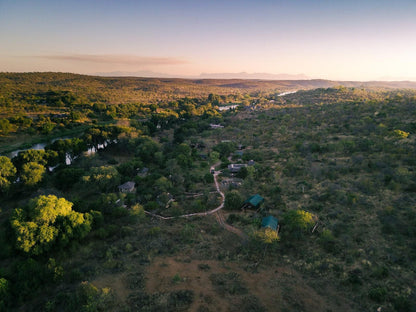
[217,211]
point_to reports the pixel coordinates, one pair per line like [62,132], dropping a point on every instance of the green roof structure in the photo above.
[269,222]
[253,202]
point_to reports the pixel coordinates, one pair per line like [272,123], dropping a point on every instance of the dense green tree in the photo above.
[5,126]
[225,148]
[68,147]
[45,125]
[30,155]
[246,172]
[185,131]
[129,168]
[214,99]
[7,173]
[94,137]
[46,221]
[214,156]
[297,221]
[147,148]
[32,173]
[105,178]
[162,185]
[42,157]
[233,200]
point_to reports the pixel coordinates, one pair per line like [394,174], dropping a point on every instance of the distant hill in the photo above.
[14,86]
[381,84]
[261,76]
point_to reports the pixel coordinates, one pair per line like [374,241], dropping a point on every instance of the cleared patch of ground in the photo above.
[219,286]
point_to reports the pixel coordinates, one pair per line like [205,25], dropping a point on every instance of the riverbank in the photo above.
[11,143]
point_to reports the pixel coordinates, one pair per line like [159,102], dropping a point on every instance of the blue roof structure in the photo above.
[269,222]
[255,201]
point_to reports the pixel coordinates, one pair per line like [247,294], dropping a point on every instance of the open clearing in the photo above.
[277,288]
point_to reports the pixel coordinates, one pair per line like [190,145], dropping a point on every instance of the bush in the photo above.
[378,294]
[233,200]
[266,236]
[328,241]
[297,222]
[137,211]
[188,233]
[88,298]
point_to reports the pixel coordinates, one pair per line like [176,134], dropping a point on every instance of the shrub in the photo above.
[233,200]
[378,294]
[400,134]
[297,222]
[327,240]
[137,211]
[266,236]
[188,233]
[176,279]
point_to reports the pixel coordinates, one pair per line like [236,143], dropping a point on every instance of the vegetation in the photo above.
[46,221]
[7,173]
[335,165]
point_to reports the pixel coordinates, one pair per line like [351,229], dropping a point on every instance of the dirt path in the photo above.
[220,218]
[217,211]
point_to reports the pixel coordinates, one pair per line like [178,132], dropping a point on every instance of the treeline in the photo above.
[78,113]
[115,90]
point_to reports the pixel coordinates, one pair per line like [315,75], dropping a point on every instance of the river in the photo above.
[68,159]
[286,93]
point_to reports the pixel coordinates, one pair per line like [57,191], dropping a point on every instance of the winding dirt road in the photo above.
[217,211]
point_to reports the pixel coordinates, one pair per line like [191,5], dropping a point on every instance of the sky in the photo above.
[327,39]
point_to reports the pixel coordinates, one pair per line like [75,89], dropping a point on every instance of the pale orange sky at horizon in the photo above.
[342,40]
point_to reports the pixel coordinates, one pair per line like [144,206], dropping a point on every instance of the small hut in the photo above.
[253,203]
[127,187]
[234,168]
[269,222]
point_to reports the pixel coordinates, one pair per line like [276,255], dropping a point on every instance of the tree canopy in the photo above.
[233,200]
[46,221]
[32,173]
[7,172]
[105,178]
[298,221]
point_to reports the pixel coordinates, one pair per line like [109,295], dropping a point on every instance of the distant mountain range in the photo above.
[242,75]
[142,73]
[261,76]
[388,82]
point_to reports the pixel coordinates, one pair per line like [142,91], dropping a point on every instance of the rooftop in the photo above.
[255,200]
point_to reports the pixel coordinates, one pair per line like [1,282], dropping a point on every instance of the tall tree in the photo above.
[46,221]
[32,173]
[7,173]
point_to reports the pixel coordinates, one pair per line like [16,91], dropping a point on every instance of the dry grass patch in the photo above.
[229,286]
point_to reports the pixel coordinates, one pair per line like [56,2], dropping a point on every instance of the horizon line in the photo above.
[192,77]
